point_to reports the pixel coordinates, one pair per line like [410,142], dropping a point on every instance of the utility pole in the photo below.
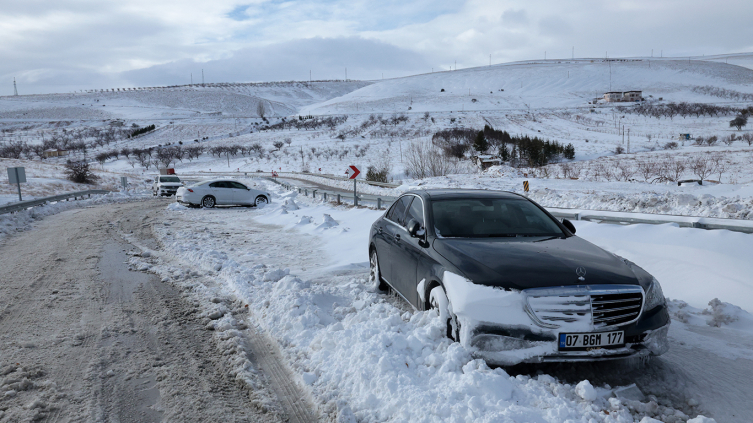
[610,76]
[191,78]
[573,53]
[628,144]
[652,52]
[490,60]
[346,74]
[623,134]
[309,75]
[15,90]
[202,77]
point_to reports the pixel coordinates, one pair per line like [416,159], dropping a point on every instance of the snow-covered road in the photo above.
[301,266]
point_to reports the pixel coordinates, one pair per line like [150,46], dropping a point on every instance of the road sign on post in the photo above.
[124,181]
[525,186]
[16,175]
[353,173]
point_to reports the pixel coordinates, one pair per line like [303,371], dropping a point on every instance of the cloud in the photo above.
[326,58]
[67,44]
[515,17]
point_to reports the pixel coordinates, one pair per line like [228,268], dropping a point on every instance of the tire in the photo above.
[207,202]
[439,301]
[375,276]
[154,193]
[261,200]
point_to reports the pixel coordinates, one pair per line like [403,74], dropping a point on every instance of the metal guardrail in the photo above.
[382,201]
[23,205]
[378,201]
[265,174]
[736,225]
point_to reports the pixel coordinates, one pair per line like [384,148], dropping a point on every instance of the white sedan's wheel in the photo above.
[207,202]
[261,200]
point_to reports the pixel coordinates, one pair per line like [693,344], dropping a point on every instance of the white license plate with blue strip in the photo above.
[592,340]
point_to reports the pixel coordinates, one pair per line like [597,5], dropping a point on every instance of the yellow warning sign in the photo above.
[525,186]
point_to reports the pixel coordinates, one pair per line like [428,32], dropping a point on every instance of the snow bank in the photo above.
[361,357]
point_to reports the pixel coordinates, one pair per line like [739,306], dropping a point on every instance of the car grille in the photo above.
[600,305]
[615,309]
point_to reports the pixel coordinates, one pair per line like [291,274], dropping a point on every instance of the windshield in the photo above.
[491,217]
[169,179]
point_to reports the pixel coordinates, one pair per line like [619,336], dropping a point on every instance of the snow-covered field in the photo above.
[301,266]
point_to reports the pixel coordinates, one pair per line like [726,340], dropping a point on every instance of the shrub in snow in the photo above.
[80,172]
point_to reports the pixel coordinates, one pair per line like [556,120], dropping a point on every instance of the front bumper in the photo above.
[503,346]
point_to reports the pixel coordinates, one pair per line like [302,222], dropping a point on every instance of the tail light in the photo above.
[189,189]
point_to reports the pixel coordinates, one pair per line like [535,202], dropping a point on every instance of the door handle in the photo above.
[379,229]
[397,237]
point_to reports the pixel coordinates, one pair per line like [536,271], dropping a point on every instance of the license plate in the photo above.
[591,340]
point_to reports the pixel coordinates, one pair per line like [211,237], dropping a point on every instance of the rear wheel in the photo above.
[375,277]
[207,202]
[260,200]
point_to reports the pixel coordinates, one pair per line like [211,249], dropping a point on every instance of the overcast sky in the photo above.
[66,45]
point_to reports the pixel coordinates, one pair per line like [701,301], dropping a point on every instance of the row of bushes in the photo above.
[519,150]
[143,130]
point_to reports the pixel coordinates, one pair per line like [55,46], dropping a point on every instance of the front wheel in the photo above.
[375,277]
[439,301]
[261,200]
[207,202]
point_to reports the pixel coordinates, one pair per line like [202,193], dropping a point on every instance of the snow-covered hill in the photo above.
[537,85]
[241,100]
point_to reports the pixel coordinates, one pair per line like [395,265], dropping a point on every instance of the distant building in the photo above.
[54,152]
[620,96]
[485,161]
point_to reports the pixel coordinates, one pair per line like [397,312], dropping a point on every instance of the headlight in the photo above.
[654,295]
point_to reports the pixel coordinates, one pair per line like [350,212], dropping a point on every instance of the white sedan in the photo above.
[221,192]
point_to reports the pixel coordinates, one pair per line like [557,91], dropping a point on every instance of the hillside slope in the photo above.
[536,85]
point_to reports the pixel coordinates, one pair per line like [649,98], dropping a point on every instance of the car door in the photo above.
[388,233]
[408,251]
[221,192]
[241,194]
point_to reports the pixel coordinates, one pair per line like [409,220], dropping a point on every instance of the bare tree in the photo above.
[647,169]
[625,170]
[720,164]
[424,160]
[701,166]
[675,169]
[260,111]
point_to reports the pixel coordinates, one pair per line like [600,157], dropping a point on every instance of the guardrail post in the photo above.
[338,199]
[379,203]
[306,192]
[325,196]
[313,193]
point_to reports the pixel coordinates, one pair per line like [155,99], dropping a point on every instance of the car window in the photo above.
[237,185]
[415,211]
[219,184]
[491,217]
[397,212]
[169,179]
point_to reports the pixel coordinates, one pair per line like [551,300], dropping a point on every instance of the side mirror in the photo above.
[569,225]
[413,228]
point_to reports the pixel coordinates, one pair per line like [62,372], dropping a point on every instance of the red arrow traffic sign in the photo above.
[352,172]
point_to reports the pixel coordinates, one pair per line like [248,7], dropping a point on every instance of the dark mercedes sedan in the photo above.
[512,282]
